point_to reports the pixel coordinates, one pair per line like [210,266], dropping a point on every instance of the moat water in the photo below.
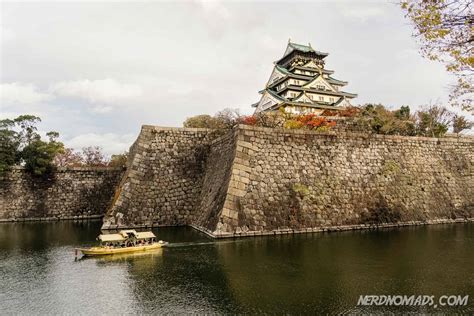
[300,274]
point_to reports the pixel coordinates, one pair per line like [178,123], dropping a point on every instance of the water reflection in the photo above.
[297,274]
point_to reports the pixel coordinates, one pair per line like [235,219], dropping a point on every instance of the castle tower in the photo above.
[300,84]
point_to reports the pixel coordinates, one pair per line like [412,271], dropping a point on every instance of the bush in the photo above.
[119,160]
[350,111]
[249,120]
[310,121]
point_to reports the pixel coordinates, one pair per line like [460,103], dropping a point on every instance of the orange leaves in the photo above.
[310,121]
[248,120]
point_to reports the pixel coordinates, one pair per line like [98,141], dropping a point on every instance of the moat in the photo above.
[295,274]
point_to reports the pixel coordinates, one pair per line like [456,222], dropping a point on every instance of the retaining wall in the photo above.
[253,181]
[82,192]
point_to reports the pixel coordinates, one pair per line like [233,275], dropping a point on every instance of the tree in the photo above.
[433,121]
[38,155]
[9,144]
[68,158]
[119,160]
[403,113]
[380,120]
[201,121]
[28,130]
[224,119]
[460,123]
[20,143]
[93,156]
[445,30]
[228,117]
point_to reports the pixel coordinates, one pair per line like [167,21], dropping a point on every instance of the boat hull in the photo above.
[102,251]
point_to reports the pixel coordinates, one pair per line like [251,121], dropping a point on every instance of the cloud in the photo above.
[6,34]
[215,9]
[102,93]
[111,143]
[22,94]
[361,13]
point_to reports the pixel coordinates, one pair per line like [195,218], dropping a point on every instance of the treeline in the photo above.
[22,145]
[429,121]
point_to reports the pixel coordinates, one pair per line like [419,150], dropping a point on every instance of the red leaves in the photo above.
[248,120]
[312,121]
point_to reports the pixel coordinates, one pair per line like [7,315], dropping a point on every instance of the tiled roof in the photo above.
[305,48]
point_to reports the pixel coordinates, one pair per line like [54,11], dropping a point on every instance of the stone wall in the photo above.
[162,186]
[84,192]
[253,181]
[219,165]
[296,180]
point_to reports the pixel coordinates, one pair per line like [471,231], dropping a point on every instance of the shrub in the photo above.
[248,120]
[310,121]
[293,124]
[330,113]
[350,111]
[119,160]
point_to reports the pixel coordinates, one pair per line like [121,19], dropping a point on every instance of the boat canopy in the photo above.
[124,235]
[111,237]
[145,235]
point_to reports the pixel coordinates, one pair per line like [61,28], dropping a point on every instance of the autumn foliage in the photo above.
[249,120]
[310,121]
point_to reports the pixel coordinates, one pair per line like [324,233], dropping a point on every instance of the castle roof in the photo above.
[336,82]
[302,48]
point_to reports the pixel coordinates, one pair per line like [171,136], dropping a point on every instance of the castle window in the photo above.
[321,98]
[331,99]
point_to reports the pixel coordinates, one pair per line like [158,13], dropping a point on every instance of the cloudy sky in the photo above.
[97,71]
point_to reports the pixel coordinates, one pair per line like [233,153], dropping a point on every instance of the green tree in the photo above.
[9,145]
[20,143]
[403,113]
[38,155]
[445,30]
[380,120]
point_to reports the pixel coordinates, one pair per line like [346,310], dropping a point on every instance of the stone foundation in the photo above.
[254,181]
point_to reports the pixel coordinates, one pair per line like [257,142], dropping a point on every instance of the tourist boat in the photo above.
[126,241]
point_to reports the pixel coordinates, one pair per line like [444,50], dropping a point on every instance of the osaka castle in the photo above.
[299,83]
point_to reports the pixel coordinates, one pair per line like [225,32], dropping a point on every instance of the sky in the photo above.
[96,71]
